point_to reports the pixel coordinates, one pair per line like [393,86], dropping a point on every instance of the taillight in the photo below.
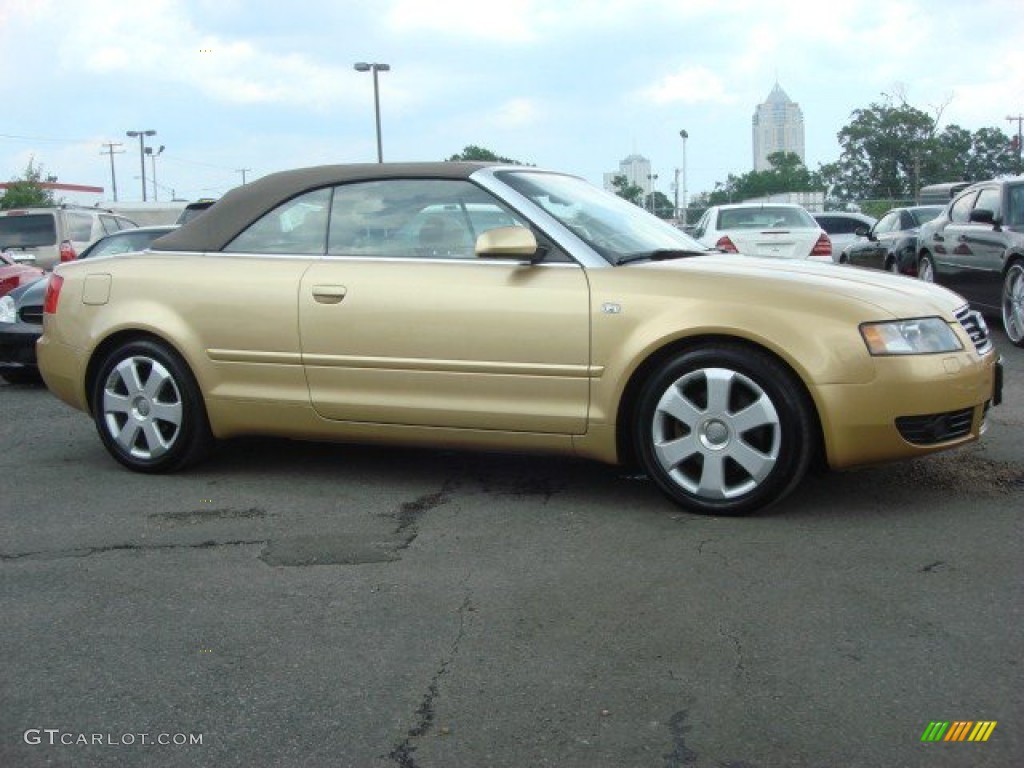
[52,294]
[727,245]
[67,251]
[823,247]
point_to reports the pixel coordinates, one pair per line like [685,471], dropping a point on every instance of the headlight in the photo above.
[7,313]
[923,336]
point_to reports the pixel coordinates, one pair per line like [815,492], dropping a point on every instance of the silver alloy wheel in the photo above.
[1013,303]
[926,271]
[716,433]
[142,407]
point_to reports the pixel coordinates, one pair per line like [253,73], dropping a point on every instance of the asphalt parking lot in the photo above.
[288,604]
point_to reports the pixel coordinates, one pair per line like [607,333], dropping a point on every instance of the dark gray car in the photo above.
[976,247]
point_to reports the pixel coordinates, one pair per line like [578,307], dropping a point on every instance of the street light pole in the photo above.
[142,154]
[363,66]
[152,158]
[684,136]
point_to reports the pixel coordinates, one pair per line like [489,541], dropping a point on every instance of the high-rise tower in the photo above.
[778,126]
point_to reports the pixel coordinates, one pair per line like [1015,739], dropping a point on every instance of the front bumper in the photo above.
[18,345]
[915,406]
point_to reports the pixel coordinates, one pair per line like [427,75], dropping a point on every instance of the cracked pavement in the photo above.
[358,606]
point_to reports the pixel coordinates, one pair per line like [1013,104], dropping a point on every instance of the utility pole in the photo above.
[111,151]
[243,171]
[1019,120]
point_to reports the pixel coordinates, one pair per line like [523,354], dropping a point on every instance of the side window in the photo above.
[702,225]
[1015,211]
[110,224]
[414,218]
[79,226]
[297,226]
[961,208]
[991,200]
[888,223]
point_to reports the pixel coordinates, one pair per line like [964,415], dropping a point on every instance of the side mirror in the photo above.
[513,243]
[982,216]
[861,231]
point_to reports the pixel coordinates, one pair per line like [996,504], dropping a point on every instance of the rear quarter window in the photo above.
[79,226]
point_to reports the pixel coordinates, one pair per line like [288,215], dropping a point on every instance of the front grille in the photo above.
[974,324]
[31,314]
[934,428]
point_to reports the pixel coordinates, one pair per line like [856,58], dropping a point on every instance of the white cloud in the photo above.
[689,85]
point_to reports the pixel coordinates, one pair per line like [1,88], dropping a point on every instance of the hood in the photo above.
[895,295]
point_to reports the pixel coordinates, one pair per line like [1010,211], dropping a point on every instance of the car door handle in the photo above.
[329,294]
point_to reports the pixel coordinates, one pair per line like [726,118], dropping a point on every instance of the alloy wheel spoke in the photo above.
[760,413]
[712,476]
[672,453]
[757,464]
[680,408]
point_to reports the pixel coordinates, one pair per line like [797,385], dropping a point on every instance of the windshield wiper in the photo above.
[661,254]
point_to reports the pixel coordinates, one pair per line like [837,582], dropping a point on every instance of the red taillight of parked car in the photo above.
[67,251]
[52,294]
[727,245]
[823,247]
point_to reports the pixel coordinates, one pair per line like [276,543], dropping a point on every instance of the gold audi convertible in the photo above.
[508,308]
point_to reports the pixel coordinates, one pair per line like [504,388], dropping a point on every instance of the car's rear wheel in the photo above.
[1013,303]
[148,408]
[724,429]
[926,269]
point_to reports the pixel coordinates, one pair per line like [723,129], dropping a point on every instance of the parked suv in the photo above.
[44,237]
[976,247]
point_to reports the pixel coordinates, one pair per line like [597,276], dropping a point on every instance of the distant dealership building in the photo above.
[637,170]
[778,126]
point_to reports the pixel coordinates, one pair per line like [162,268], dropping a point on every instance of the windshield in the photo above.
[28,231]
[613,227]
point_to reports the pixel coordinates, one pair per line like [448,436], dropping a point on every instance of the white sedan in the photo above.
[782,230]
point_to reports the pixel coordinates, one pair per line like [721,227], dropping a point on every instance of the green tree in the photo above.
[659,204]
[27,191]
[631,192]
[473,153]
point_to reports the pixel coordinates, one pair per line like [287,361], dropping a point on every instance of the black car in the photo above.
[891,244]
[21,310]
[976,247]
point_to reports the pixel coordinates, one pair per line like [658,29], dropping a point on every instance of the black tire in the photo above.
[148,409]
[708,409]
[926,268]
[891,265]
[1013,303]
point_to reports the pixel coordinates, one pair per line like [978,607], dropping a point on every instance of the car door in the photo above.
[949,243]
[981,265]
[402,324]
[871,251]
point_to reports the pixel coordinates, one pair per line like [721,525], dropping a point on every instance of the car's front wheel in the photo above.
[926,269]
[1013,303]
[148,408]
[724,429]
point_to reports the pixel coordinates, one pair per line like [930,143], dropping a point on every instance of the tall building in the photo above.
[778,126]
[637,170]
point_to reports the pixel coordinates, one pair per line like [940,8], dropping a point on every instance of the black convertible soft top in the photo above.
[243,205]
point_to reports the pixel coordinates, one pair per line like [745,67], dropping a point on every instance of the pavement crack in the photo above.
[681,754]
[403,754]
[59,554]
[410,513]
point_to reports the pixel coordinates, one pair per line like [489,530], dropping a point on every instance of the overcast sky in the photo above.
[575,86]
